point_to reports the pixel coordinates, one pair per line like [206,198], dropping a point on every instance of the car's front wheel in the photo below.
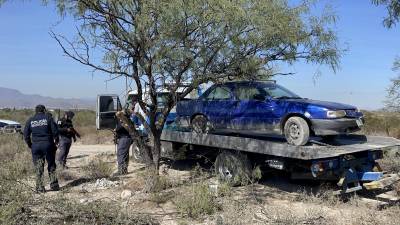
[297,131]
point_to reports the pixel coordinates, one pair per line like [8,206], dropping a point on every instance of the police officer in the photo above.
[124,142]
[67,134]
[41,136]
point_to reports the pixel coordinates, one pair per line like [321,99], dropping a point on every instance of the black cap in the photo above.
[70,114]
[40,109]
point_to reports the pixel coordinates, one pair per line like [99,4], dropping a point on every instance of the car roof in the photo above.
[242,83]
[10,122]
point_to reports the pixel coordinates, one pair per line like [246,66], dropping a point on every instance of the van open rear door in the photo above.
[107,106]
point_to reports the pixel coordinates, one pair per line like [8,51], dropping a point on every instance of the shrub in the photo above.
[198,201]
[391,161]
[98,168]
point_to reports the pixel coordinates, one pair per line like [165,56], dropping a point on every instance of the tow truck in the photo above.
[350,160]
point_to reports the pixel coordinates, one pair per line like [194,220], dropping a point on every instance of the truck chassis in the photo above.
[349,160]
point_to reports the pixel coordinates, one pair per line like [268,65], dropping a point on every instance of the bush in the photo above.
[391,161]
[98,168]
[198,201]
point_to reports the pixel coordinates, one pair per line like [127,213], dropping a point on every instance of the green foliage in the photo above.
[197,202]
[201,37]
[393,11]
[393,97]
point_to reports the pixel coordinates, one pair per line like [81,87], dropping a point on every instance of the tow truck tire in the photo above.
[297,131]
[136,155]
[200,124]
[233,168]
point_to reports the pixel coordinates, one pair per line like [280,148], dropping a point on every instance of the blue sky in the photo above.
[32,62]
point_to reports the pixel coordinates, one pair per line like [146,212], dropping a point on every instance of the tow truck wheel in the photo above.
[296,131]
[136,155]
[200,124]
[233,168]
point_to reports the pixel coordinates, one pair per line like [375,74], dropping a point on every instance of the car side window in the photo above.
[247,93]
[219,93]
[2,124]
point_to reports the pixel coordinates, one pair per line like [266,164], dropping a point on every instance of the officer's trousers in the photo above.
[41,151]
[124,143]
[64,146]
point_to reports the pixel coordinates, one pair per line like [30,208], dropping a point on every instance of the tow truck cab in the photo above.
[109,104]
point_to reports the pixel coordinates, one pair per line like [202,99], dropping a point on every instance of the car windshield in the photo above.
[279,92]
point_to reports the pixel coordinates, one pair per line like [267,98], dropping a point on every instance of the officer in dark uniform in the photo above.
[67,134]
[124,142]
[41,136]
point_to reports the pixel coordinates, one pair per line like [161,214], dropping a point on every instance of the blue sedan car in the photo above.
[263,107]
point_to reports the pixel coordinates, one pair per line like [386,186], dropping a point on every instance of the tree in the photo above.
[393,10]
[169,42]
[393,97]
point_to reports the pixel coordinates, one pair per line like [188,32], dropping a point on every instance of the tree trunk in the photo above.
[157,151]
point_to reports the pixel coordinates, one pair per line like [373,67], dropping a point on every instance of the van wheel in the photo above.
[200,124]
[233,168]
[296,131]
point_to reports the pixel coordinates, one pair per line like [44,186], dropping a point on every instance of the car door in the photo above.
[255,110]
[217,105]
[107,106]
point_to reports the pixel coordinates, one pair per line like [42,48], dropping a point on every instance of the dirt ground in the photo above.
[273,200]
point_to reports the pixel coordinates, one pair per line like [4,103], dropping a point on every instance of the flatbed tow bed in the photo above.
[349,160]
[279,148]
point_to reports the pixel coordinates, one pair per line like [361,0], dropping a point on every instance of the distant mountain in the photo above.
[10,98]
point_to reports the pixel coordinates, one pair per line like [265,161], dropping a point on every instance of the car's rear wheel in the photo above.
[297,131]
[200,124]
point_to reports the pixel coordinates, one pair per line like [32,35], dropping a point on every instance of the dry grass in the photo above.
[98,168]
[382,123]
[391,161]
[19,204]
[197,201]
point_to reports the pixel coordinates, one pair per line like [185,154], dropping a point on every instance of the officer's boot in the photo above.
[123,169]
[54,186]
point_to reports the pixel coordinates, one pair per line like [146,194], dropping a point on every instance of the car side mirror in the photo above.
[259,97]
